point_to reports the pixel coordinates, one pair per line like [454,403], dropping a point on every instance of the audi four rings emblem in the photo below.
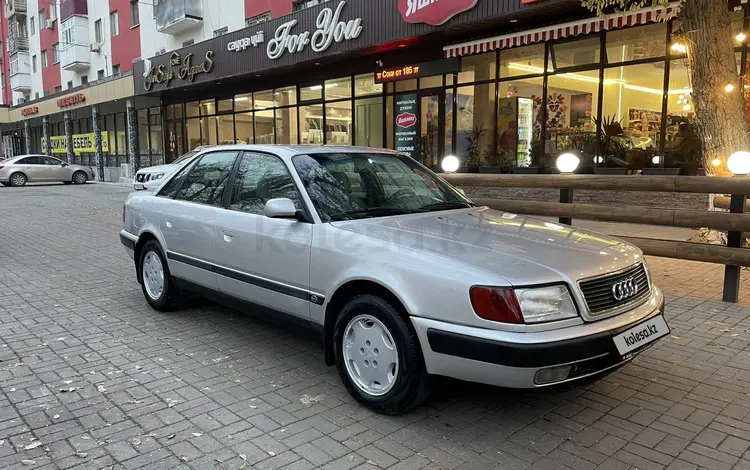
[625,289]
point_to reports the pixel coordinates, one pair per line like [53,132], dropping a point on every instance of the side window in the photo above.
[30,161]
[261,177]
[170,189]
[51,161]
[206,181]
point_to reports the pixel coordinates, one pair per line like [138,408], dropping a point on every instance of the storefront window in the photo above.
[631,113]
[193,109]
[177,108]
[244,125]
[286,126]
[527,60]
[682,147]
[208,107]
[637,43]
[572,101]
[208,131]
[339,123]
[311,124]
[264,127]
[226,129]
[476,68]
[369,122]
[243,103]
[286,96]
[225,106]
[193,134]
[519,123]
[449,101]
[143,134]
[436,81]
[389,119]
[264,100]
[574,53]
[122,136]
[406,85]
[475,123]
[311,92]
[339,88]
[365,85]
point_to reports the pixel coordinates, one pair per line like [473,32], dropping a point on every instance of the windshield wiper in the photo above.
[370,212]
[445,205]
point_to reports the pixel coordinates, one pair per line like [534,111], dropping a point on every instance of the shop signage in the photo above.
[433,12]
[71,100]
[407,125]
[425,69]
[330,29]
[243,43]
[181,67]
[82,143]
[30,110]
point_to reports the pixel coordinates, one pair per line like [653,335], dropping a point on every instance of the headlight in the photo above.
[523,306]
[545,304]
[157,176]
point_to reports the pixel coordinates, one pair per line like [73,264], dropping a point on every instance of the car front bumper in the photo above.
[513,359]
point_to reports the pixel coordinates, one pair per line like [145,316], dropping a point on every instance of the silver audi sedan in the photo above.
[17,171]
[399,274]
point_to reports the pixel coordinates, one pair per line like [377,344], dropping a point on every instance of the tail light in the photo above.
[497,304]
[1,167]
[123,214]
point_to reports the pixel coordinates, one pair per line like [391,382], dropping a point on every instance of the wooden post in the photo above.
[566,197]
[732,273]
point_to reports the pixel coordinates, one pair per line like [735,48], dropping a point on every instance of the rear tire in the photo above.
[378,356]
[18,179]
[156,280]
[80,177]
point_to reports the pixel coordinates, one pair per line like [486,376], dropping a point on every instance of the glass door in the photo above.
[432,120]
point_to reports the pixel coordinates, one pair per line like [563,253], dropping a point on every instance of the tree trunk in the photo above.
[721,121]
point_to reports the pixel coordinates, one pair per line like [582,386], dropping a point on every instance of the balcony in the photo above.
[75,57]
[70,8]
[17,43]
[20,72]
[178,16]
[15,7]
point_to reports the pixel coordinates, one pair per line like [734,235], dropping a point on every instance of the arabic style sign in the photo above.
[433,12]
[163,74]
[330,29]
[407,125]
[82,143]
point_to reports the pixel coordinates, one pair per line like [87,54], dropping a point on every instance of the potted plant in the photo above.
[474,138]
[501,161]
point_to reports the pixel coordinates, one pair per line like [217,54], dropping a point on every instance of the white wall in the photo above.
[35,50]
[216,14]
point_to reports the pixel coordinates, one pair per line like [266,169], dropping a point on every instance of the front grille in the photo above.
[600,298]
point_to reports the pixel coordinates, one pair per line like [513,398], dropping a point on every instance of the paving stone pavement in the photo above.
[92,378]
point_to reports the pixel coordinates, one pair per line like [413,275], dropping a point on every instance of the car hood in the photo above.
[521,250]
[159,168]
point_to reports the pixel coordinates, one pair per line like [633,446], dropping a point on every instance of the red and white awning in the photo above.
[565,30]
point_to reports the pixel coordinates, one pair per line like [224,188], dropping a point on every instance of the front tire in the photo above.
[378,356]
[80,177]
[156,280]
[18,179]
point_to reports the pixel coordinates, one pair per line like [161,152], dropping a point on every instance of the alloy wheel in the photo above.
[153,275]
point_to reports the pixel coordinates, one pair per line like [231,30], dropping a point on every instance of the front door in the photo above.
[432,120]
[262,260]
[56,170]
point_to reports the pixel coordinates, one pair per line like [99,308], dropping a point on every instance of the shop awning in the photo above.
[559,31]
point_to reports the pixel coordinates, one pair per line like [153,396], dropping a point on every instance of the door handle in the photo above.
[169,221]
[228,235]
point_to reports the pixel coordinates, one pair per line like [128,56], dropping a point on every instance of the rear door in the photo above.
[188,222]
[33,168]
[263,260]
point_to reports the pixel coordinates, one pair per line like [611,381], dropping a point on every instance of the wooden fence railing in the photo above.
[733,222]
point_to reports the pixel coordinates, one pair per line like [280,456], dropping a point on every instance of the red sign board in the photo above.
[433,12]
[71,100]
[406,120]
[30,110]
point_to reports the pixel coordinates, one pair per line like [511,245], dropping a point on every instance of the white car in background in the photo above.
[151,177]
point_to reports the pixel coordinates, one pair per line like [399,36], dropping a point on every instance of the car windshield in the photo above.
[345,186]
[185,158]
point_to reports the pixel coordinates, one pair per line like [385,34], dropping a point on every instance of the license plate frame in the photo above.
[641,336]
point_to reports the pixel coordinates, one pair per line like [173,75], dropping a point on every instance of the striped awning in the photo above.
[559,31]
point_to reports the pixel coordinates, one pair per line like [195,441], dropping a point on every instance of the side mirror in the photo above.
[63,164]
[280,208]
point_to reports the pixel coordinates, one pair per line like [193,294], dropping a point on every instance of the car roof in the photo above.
[302,149]
[18,157]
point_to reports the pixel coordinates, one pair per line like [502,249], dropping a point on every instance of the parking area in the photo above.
[92,378]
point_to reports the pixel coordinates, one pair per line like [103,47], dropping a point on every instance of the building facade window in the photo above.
[56,53]
[98,37]
[221,31]
[100,74]
[53,10]
[32,25]
[44,58]
[33,63]
[135,16]
[187,43]
[114,24]
[258,19]
[116,70]
[84,79]
[298,5]
[42,18]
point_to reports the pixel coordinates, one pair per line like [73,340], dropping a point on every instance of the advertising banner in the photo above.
[407,124]
[82,143]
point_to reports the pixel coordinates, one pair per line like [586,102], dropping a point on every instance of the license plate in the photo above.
[641,335]
[139,187]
